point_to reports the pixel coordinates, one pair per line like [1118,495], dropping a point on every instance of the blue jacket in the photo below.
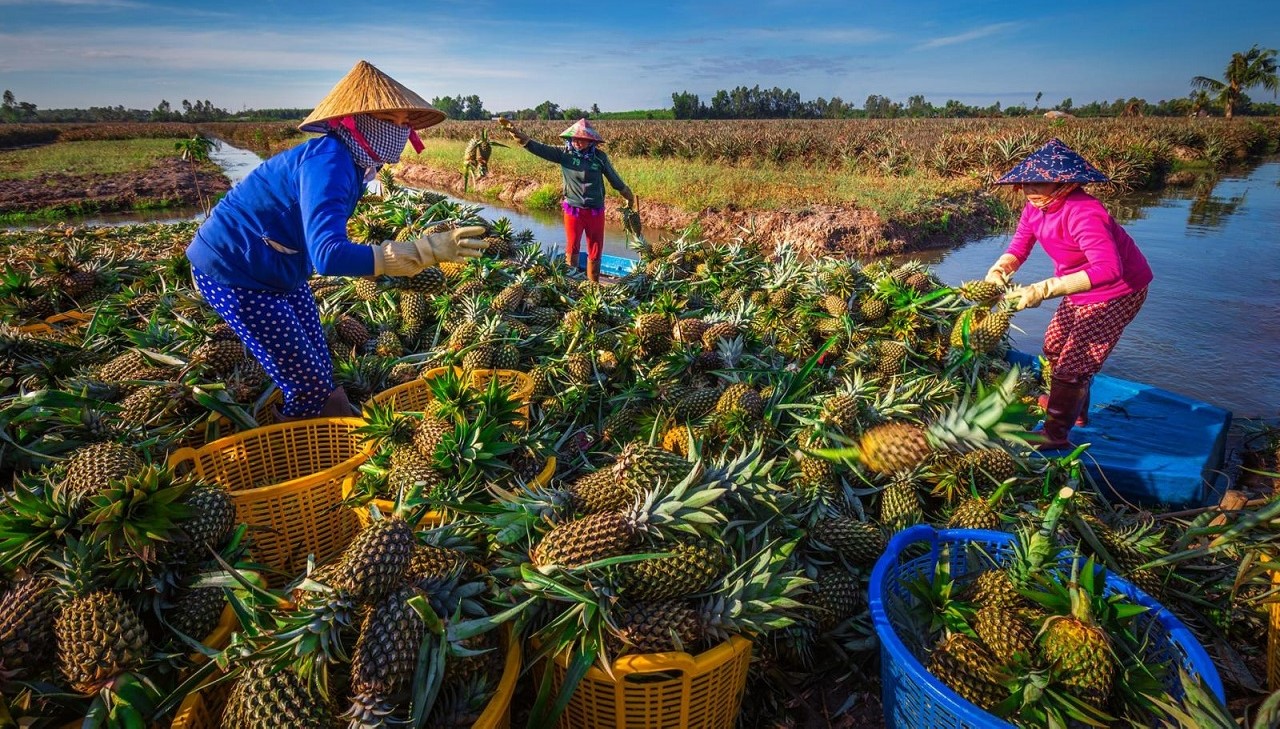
[300,200]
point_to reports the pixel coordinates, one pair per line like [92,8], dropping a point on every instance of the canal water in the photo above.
[1210,328]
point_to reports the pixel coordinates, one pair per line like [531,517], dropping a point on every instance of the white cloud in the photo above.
[972,35]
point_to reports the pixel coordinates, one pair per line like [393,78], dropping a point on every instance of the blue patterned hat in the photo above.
[1054,162]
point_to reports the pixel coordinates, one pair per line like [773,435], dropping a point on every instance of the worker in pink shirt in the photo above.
[1099,272]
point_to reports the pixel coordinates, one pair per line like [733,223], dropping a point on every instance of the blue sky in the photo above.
[620,55]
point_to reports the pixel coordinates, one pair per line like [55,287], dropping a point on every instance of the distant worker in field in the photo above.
[252,257]
[584,167]
[1097,267]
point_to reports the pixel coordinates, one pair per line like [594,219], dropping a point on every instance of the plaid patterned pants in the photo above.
[1080,338]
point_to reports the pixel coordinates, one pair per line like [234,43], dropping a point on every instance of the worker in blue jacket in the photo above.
[252,257]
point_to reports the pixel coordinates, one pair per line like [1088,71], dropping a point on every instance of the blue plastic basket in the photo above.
[913,697]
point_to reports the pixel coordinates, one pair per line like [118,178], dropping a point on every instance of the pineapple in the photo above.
[1078,647]
[638,469]
[265,696]
[213,517]
[27,613]
[509,299]
[860,542]
[195,613]
[676,440]
[890,357]
[968,669]
[896,446]
[430,563]
[387,344]
[99,636]
[413,310]
[982,292]
[754,599]
[835,597]
[409,467]
[692,403]
[691,568]
[900,505]
[962,331]
[91,467]
[689,331]
[373,565]
[366,289]
[386,652]
[740,398]
[988,333]
[611,533]
[872,309]
[1003,632]
[716,332]
[218,356]
[429,281]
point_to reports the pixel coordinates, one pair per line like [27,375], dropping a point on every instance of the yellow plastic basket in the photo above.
[51,325]
[287,481]
[202,709]
[1273,641]
[413,396]
[661,690]
[431,518]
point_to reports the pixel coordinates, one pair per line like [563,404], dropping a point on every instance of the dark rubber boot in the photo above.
[1081,420]
[337,406]
[593,270]
[1067,395]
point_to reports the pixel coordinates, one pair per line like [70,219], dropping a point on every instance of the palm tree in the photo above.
[1257,67]
[196,150]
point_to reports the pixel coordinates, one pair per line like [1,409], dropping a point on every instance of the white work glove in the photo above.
[407,258]
[1029,297]
[1002,270]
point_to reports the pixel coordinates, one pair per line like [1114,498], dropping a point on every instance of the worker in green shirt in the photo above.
[584,167]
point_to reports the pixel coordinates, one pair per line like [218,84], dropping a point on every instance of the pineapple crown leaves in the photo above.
[384,424]
[77,567]
[1200,708]
[937,609]
[132,516]
[686,507]
[478,445]
[758,596]
[34,517]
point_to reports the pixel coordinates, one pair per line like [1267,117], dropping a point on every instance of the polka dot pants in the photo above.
[282,331]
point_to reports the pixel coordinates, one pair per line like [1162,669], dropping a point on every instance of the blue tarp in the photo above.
[609,265]
[1148,445]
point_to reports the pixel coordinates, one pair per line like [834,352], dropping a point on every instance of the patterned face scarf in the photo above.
[373,142]
[1051,202]
[584,154]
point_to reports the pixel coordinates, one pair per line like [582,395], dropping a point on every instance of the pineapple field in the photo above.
[715,450]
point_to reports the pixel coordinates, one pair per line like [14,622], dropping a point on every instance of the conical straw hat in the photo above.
[582,129]
[365,90]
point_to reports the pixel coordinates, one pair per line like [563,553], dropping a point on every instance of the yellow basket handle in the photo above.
[655,663]
[180,456]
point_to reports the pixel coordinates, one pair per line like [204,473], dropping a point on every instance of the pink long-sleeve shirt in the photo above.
[1082,236]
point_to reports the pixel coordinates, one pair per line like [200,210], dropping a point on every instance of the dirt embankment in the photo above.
[816,230]
[168,183]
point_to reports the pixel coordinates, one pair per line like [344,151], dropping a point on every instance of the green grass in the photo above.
[693,186]
[85,158]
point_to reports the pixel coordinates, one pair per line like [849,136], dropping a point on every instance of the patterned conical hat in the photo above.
[582,129]
[366,90]
[1054,162]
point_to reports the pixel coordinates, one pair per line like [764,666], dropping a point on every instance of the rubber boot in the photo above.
[593,270]
[1066,396]
[337,406]
[278,417]
[1082,419]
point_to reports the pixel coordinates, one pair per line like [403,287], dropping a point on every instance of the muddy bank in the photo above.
[168,183]
[814,230]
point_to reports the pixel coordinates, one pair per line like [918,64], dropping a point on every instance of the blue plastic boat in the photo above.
[1150,446]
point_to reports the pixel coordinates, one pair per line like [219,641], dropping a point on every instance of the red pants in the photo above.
[1080,338]
[583,220]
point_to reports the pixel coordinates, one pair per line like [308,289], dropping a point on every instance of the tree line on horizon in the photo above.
[1250,69]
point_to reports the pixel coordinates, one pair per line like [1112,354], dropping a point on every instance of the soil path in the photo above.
[168,183]
[814,230]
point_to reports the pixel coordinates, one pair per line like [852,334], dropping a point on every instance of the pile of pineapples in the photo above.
[111,569]
[737,433]
[401,625]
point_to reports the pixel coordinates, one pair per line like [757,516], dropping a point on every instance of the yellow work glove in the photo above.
[1029,297]
[510,129]
[407,258]
[1002,270]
